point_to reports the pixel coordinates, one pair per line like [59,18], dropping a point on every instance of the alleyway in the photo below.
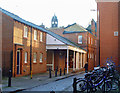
[60,85]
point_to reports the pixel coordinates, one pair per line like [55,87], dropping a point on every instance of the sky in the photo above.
[42,11]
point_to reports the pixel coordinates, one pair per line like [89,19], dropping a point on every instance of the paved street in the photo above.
[60,85]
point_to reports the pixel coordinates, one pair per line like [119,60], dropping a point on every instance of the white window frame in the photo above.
[34,57]
[89,40]
[41,57]
[25,31]
[41,37]
[26,57]
[35,34]
[80,37]
[90,55]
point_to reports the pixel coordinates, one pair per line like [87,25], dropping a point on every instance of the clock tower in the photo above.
[54,21]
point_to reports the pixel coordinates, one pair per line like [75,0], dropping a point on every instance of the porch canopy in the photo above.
[57,42]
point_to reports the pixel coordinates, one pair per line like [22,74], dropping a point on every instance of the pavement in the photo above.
[25,82]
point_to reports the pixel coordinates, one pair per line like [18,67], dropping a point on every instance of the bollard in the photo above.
[60,72]
[74,86]
[9,80]
[56,72]
[50,76]
[64,71]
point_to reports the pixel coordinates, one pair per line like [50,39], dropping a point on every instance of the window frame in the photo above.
[35,35]
[25,31]
[41,36]
[89,40]
[80,41]
[41,55]
[26,58]
[34,61]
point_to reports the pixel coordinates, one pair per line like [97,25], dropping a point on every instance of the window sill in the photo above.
[79,43]
[34,62]
[25,37]
[35,40]
[25,63]
[41,41]
[41,62]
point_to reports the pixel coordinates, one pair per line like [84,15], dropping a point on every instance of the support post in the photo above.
[81,60]
[53,61]
[67,61]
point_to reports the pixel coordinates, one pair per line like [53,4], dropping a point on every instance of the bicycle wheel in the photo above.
[107,86]
[114,82]
[81,86]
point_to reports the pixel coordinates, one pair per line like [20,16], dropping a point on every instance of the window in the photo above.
[80,39]
[41,56]
[116,33]
[90,55]
[25,31]
[89,40]
[34,57]
[26,57]
[95,57]
[95,42]
[41,36]
[35,35]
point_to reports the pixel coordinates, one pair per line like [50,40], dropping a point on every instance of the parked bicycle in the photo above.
[103,79]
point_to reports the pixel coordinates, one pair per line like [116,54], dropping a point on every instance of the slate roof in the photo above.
[74,27]
[17,18]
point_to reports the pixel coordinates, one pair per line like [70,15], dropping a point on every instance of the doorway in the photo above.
[18,62]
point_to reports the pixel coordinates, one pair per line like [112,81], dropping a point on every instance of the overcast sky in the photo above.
[41,11]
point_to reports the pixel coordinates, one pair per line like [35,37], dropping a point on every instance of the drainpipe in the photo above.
[31,54]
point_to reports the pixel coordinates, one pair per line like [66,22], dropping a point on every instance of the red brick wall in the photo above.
[74,38]
[108,14]
[7,40]
[37,47]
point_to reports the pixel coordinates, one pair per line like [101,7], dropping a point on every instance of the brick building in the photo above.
[108,33]
[63,53]
[23,46]
[86,39]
